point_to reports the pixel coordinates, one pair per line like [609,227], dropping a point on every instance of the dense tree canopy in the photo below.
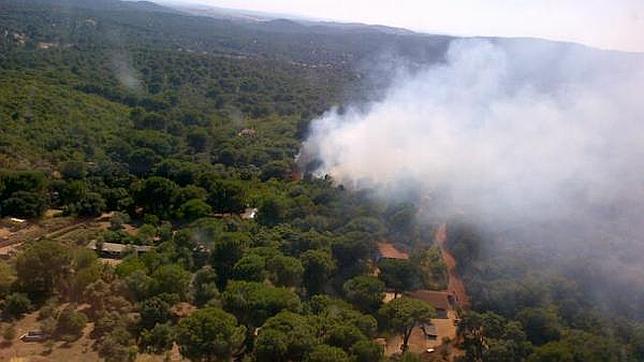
[42,267]
[365,292]
[210,334]
[148,127]
[253,302]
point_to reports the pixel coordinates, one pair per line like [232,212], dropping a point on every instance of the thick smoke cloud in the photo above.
[540,144]
[510,129]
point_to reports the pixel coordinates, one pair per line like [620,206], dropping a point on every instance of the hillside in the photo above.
[154,208]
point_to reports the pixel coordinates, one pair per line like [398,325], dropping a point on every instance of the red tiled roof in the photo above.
[387,250]
[439,300]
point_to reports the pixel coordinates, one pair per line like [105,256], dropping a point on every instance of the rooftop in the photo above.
[389,251]
[119,248]
[439,300]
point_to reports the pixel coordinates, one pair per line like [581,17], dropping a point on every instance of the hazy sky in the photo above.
[612,24]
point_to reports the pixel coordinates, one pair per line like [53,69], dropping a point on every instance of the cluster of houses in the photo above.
[115,251]
[427,336]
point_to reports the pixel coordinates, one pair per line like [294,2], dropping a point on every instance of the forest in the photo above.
[183,132]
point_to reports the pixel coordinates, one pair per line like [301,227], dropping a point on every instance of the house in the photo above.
[117,251]
[387,250]
[441,301]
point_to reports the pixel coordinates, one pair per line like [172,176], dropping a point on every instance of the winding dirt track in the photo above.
[455,284]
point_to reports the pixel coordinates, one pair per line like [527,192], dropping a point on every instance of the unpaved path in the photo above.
[455,284]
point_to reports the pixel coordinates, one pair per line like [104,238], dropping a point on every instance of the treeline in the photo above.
[132,25]
[525,311]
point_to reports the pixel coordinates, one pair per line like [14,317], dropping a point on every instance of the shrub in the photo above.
[16,305]
[71,323]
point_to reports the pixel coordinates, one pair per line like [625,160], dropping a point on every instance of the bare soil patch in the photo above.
[455,284]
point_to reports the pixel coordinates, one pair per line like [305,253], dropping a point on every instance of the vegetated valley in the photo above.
[154,208]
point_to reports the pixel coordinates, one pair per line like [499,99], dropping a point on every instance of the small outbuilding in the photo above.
[117,251]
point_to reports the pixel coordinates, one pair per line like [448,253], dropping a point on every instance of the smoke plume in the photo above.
[542,144]
[499,129]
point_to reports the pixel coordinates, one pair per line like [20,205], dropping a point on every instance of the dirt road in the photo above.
[455,284]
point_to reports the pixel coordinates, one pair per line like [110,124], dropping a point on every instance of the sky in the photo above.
[607,24]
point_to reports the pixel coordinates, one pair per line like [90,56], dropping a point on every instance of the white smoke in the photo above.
[500,129]
[125,72]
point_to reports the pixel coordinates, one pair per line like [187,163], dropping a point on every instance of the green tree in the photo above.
[285,337]
[117,346]
[272,211]
[15,305]
[198,139]
[285,271]
[637,341]
[399,275]
[226,253]
[209,334]
[432,269]
[541,325]
[154,311]
[204,285]
[83,277]
[403,314]
[72,192]
[553,351]
[24,204]
[333,311]
[189,192]
[193,209]
[156,195]
[74,170]
[138,282]
[117,198]
[281,170]
[366,292]
[26,181]
[43,266]
[324,353]
[578,345]
[250,267]
[352,251]
[226,196]
[158,339]
[401,218]
[367,351]
[342,334]
[148,121]
[254,302]
[71,323]
[92,204]
[7,278]
[171,279]
[318,267]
